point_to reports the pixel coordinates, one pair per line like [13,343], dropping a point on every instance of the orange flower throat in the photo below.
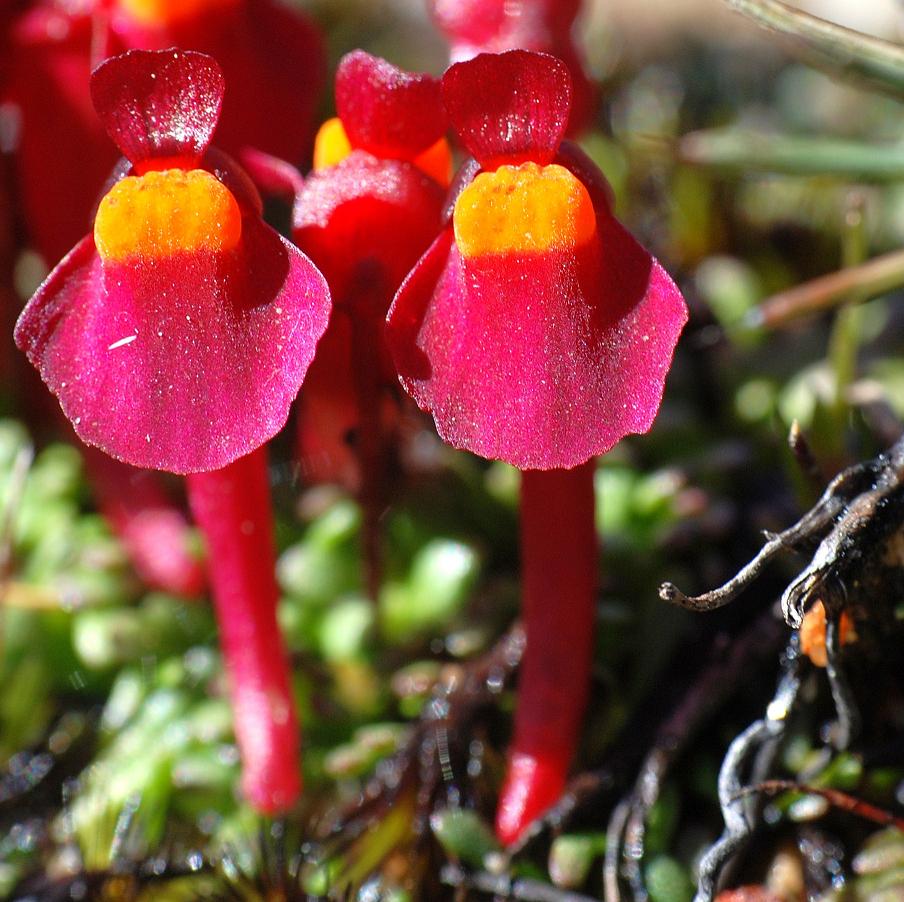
[163,213]
[523,209]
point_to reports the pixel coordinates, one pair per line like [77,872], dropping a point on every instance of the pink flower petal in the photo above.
[509,107]
[385,110]
[543,361]
[409,310]
[184,363]
[163,103]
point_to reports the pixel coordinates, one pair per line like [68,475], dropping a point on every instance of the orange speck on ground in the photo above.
[166,12]
[163,213]
[331,146]
[813,633]
[526,208]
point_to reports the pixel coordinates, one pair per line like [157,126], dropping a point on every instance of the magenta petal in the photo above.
[385,110]
[517,361]
[181,363]
[509,107]
[159,103]
[409,311]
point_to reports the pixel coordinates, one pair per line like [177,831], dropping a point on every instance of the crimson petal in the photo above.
[385,110]
[183,365]
[509,107]
[516,362]
[159,103]
[387,208]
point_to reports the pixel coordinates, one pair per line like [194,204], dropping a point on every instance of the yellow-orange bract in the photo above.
[527,208]
[166,12]
[164,213]
[436,161]
[331,146]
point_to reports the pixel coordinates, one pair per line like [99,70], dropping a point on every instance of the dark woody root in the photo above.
[856,529]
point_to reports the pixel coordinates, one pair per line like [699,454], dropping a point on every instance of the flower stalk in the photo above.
[536,331]
[559,557]
[233,508]
[372,435]
[178,343]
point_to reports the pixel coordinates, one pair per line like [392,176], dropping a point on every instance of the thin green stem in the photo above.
[839,51]
[844,342]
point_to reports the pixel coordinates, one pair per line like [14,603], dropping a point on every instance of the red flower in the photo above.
[366,214]
[273,60]
[176,336]
[143,331]
[536,331]
[271,56]
[544,26]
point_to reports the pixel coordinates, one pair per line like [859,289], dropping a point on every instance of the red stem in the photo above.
[558,563]
[156,534]
[232,507]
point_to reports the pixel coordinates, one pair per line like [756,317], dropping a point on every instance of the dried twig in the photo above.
[815,520]
[860,506]
[871,279]
[424,766]
[848,724]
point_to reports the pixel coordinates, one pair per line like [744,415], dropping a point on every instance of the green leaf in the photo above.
[463,834]
[572,856]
